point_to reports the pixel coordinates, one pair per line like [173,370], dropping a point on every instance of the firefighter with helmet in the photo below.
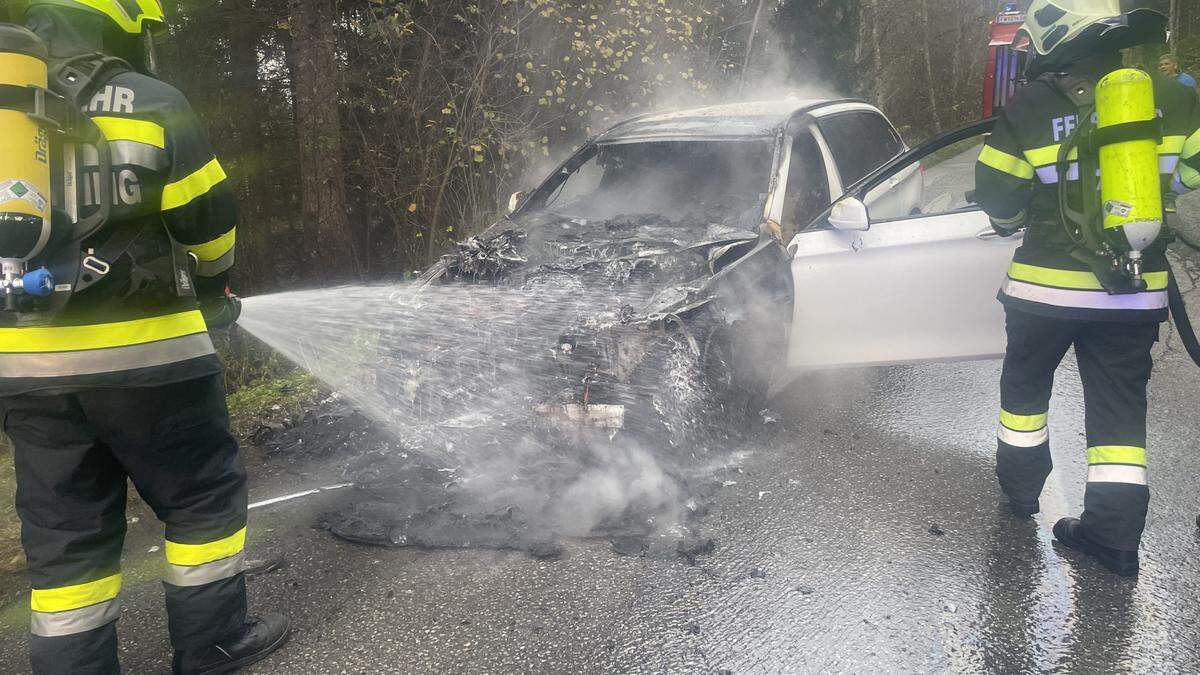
[123,383]
[1056,295]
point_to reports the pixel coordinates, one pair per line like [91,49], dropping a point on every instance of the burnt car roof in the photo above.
[735,120]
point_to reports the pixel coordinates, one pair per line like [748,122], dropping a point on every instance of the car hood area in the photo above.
[663,267]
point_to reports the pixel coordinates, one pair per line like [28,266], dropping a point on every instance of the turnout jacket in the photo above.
[140,325]
[1017,183]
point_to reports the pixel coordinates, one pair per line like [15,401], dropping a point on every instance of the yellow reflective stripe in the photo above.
[123,129]
[1117,454]
[1191,147]
[1172,145]
[1189,176]
[1046,276]
[74,597]
[1080,281]
[1048,155]
[216,248]
[1023,422]
[47,339]
[199,183]
[1005,163]
[190,555]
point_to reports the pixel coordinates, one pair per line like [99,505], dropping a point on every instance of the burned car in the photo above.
[677,222]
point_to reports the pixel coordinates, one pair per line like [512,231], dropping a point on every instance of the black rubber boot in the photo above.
[1070,533]
[261,636]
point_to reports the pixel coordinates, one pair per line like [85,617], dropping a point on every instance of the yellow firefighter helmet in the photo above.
[131,16]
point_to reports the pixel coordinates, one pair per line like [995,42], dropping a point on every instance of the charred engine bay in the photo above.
[675,295]
[577,379]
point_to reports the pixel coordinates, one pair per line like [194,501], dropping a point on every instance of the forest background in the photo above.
[365,136]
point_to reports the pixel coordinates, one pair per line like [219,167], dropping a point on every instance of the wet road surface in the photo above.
[865,532]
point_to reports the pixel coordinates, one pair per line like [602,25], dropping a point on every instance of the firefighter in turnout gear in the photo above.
[123,382]
[1059,295]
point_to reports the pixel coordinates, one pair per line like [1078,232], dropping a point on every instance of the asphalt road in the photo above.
[829,558]
[865,532]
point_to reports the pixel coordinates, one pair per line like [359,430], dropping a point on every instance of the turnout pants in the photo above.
[73,456]
[1114,365]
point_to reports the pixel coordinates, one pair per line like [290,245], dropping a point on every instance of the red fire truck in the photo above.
[1006,59]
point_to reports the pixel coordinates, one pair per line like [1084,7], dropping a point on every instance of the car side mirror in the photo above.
[515,200]
[850,215]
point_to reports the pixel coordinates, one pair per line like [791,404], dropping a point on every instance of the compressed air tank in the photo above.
[24,148]
[1130,186]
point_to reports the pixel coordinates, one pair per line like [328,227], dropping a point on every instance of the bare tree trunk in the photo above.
[319,133]
[245,32]
[932,84]
[1174,26]
[750,45]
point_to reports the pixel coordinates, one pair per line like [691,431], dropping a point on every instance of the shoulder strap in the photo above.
[1080,225]
[1078,90]
[78,79]
[75,81]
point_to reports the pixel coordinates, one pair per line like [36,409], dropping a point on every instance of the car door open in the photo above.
[876,291]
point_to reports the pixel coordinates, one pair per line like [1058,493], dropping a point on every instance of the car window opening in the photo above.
[807,193]
[718,181]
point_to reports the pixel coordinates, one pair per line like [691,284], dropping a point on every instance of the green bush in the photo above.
[262,386]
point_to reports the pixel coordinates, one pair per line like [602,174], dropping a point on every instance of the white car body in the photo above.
[887,267]
[887,289]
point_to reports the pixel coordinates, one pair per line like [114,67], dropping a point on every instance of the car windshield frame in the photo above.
[538,201]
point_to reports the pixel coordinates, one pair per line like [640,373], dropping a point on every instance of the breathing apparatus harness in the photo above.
[44,257]
[1123,214]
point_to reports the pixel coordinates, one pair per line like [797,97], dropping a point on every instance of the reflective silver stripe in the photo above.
[138,154]
[1049,174]
[94,361]
[212,268]
[1023,439]
[1062,297]
[1178,187]
[129,153]
[70,622]
[198,575]
[1117,473]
